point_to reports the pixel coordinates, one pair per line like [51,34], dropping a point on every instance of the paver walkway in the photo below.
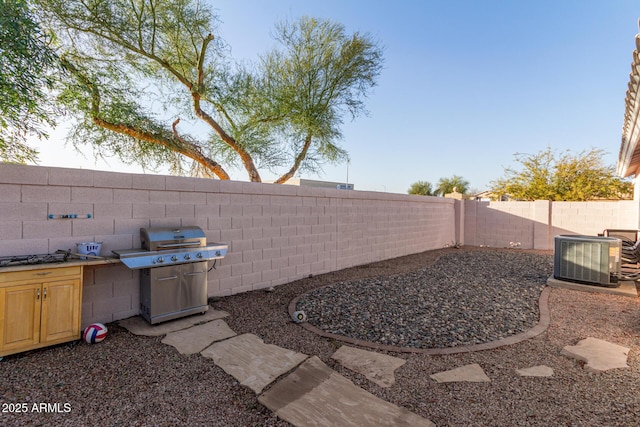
[312,394]
[252,362]
[309,393]
[196,338]
[376,367]
[469,373]
[316,395]
[600,355]
[536,371]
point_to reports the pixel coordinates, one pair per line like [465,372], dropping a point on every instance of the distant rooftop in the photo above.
[321,184]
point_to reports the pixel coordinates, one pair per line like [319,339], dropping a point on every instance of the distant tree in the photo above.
[27,64]
[567,177]
[154,84]
[421,188]
[446,185]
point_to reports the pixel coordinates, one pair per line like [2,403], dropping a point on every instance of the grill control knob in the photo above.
[174,258]
[160,260]
[199,255]
[187,257]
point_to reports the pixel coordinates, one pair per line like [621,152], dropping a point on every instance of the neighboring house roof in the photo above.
[629,157]
[483,195]
[315,183]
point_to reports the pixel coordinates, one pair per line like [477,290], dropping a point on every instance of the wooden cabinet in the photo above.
[39,307]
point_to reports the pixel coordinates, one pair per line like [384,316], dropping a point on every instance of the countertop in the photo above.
[70,263]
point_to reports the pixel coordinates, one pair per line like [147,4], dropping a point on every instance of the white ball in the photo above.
[94,333]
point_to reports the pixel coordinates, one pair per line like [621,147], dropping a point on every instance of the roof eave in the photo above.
[629,156]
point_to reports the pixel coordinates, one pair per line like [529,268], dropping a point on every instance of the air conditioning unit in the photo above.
[592,260]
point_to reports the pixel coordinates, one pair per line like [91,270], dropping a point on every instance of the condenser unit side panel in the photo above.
[586,262]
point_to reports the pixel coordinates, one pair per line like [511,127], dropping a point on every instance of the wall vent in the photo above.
[592,260]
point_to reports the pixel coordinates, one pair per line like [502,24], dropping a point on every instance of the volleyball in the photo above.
[94,333]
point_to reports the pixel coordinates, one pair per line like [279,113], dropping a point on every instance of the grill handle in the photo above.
[195,274]
[159,279]
[178,245]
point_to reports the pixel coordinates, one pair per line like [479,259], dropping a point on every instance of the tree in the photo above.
[421,188]
[143,68]
[26,66]
[446,185]
[569,177]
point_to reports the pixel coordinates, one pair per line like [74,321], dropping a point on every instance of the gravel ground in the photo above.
[137,381]
[462,299]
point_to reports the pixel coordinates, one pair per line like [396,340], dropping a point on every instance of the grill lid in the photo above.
[171,246]
[160,238]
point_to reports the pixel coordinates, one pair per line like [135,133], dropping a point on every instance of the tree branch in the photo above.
[205,43]
[139,50]
[247,161]
[299,158]
[176,144]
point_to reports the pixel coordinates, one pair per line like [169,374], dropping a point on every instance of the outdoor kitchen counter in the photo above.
[72,263]
[41,303]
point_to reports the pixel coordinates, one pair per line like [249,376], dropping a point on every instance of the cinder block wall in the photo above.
[497,224]
[591,218]
[533,225]
[276,234]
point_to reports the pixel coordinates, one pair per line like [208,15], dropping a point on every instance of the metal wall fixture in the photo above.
[69,216]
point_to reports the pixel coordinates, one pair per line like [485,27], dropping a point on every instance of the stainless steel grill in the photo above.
[174,266]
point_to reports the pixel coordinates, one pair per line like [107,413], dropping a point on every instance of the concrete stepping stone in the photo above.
[376,367]
[535,371]
[196,338]
[316,395]
[138,326]
[252,362]
[468,373]
[600,355]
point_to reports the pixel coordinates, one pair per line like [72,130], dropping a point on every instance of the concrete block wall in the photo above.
[591,218]
[534,224]
[276,234]
[497,224]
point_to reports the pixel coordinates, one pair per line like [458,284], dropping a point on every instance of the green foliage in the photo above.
[126,73]
[26,67]
[447,185]
[306,87]
[568,177]
[141,67]
[421,188]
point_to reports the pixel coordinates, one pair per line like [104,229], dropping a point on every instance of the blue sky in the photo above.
[465,85]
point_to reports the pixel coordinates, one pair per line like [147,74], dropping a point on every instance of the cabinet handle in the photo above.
[42,273]
[37,294]
[44,296]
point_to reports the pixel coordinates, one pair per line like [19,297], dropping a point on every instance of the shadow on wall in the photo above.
[533,225]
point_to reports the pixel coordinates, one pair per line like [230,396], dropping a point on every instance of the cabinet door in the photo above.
[60,311]
[193,285]
[20,316]
[164,295]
